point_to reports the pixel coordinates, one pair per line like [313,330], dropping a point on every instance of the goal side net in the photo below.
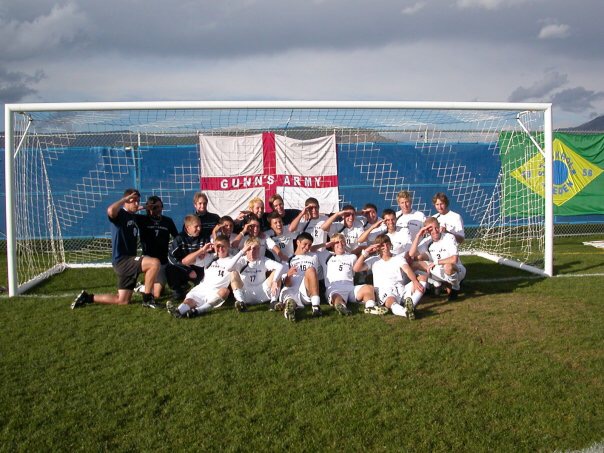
[65,163]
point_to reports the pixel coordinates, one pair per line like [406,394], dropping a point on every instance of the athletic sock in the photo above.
[238,295]
[398,310]
[370,303]
[205,308]
[417,295]
[183,308]
[315,301]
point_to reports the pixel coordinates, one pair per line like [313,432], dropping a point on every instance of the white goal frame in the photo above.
[12,147]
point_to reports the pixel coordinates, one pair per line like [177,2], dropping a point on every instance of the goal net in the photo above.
[65,163]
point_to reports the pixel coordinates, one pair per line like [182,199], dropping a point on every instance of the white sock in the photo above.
[215,301]
[398,310]
[183,308]
[238,294]
[315,301]
[204,308]
[370,303]
[417,295]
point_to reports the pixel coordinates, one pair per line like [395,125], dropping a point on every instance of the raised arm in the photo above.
[363,237]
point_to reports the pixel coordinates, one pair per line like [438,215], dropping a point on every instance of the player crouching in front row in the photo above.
[437,255]
[250,284]
[388,280]
[213,290]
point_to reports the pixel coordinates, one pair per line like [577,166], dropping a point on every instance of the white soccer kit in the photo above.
[297,290]
[253,275]
[261,239]
[313,227]
[452,222]
[285,242]
[217,275]
[339,277]
[411,222]
[351,234]
[401,241]
[388,278]
[444,248]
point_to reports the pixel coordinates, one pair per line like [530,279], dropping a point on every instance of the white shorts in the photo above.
[397,291]
[346,290]
[201,295]
[438,274]
[256,294]
[299,294]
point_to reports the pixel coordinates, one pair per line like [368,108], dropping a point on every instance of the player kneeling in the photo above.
[339,278]
[250,284]
[388,280]
[213,290]
[437,254]
[301,283]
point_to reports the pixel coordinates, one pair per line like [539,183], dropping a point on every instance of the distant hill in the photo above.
[595,125]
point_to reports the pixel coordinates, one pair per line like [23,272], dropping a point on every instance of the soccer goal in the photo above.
[65,163]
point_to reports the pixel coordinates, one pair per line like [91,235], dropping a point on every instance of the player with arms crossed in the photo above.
[388,280]
[213,290]
[126,264]
[301,282]
[408,219]
[437,255]
[449,221]
[339,278]
[250,284]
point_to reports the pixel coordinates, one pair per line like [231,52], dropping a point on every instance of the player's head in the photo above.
[304,243]
[200,202]
[349,214]
[252,224]
[133,198]
[221,245]
[404,199]
[154,206]
[384,244]
[312,207]
[389,217]
[339,241]
[192,225]
[441,202]
[370,212]
[256,206]
[277,204]
[227,226]
[276,222]
[254,252]
[433,227]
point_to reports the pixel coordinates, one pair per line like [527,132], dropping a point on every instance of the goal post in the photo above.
[66,162]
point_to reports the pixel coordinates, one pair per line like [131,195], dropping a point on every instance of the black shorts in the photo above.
[127,270]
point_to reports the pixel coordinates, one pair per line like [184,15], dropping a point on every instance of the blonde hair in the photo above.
[404,194]
[191,219]
[253,201]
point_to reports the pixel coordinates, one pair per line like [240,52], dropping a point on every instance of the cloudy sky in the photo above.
[449,50]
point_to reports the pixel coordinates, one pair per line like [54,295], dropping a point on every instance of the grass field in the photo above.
[513,365]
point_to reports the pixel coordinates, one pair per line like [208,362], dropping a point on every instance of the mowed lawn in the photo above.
[513,365]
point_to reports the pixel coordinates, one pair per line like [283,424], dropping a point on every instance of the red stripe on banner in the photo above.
[269,167]
[268,181]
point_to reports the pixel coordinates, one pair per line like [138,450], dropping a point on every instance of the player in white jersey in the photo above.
[400,240]
[251,229]
[309,221]
[301,283]
[437,254]
[408,219]
[388,280]
[449,221]
[339,278]
[349,226]
[213,290]
[225,227]
[250,283]
[281,243]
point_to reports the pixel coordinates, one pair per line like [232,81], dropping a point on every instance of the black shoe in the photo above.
[150,302]
[192,313]
[316,312]
[82,299]
[453,295]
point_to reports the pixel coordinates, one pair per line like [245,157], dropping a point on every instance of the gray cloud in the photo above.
[16,85]
[551,81]
[577,99]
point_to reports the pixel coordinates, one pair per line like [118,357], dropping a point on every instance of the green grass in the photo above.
[515,365]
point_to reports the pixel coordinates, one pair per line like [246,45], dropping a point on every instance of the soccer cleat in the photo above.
[275,306]
[377,310]
[150,302]
[410,309]
[82,299]
[316,312]
[241,307]
[289,311]
[173,310]
[343,309]
[140,288]
[453,295]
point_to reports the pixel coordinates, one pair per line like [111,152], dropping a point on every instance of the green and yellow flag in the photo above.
[578,180]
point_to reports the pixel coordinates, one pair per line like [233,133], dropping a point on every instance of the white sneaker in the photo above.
[140,288]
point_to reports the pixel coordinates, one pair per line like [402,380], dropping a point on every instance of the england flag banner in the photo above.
[236,169]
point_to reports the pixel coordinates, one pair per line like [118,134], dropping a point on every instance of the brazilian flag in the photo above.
[578,180]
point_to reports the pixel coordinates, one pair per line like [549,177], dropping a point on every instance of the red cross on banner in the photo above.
[236,169]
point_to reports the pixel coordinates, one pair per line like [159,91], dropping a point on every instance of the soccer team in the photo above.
[287,258]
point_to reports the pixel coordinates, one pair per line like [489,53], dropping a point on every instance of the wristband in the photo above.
[364,253]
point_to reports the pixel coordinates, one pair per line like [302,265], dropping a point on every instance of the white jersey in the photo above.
[261,239]
[217,270]
[301,263]
[339,268]
[254,272]
[285,242]
[313,227]
[387,274]
[351,234]
[322,257]
[452,222]
[445,247]
[401,241]
[411,222]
